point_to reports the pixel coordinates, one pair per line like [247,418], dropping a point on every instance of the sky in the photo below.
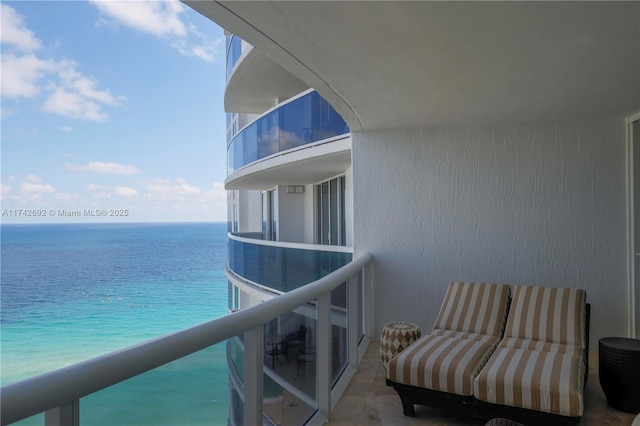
[111,112]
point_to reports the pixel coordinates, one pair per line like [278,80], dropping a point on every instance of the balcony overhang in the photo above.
[257,83]
[305,165]
[385,65]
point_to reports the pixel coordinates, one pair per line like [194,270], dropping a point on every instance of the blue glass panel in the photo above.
[296,123]
[249,145]
[326,120]
[268,137]
[282,269]
[302,121]
[234,51]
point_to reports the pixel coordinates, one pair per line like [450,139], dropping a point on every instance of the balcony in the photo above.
[305,129]
[282,267]
[262,396]
[255,82]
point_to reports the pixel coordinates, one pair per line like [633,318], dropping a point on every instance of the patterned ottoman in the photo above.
[396,336]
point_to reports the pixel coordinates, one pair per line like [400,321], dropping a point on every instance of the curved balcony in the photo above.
[283,266]
[254,81]
[301,122]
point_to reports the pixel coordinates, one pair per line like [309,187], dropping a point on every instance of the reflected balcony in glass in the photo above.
[301,121]
[282,268]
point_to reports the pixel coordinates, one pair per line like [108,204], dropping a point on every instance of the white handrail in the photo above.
[66,385]
[298,246]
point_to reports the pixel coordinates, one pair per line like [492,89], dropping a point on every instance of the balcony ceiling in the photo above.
[418,64]
[257,83]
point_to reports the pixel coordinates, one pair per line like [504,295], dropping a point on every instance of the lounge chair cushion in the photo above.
[550,382]
[465,335]
[546,314]
[474,307]
[514,342]
[440,363]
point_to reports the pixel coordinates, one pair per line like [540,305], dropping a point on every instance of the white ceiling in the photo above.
[393,64]
[257,84]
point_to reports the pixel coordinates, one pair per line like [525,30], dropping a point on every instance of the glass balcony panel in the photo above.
[282,268]
[191,390]
[339,354]
[326,120]
[290,370]
[302,121]
[249,146]
[268,136]
[236,408]
[235,350]
[296,123]
[37,420]
[234,51]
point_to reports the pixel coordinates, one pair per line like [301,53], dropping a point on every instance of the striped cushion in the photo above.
[514,342]
[546,314]
[465,335]
[537,380]
[441,363]
[474,307]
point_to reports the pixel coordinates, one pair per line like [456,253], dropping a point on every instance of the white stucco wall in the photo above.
[540,204]
[249,211]
[290,216]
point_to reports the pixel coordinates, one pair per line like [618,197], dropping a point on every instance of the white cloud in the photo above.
[21,75]
[161,19]
[85,86]
[68,129]
[164,190]
[99,191]
[37,188]
[74,105]
[216,192]
[14,31]
[62,196]
[33,178]
[4,190]
[94,187]
[102,167]
[125,192]
[6,112]
[68,91]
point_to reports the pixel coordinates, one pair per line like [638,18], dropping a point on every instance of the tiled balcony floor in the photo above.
[369,401]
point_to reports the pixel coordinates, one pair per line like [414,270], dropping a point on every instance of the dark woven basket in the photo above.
[619,362]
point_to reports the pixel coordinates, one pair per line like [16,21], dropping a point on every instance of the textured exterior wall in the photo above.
[290,216]
[540,204]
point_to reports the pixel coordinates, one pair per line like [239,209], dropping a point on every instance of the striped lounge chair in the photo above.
[440,367]
[540,365]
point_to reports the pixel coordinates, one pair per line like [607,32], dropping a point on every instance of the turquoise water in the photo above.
[70,292]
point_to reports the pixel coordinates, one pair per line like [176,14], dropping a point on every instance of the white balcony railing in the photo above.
[58,392]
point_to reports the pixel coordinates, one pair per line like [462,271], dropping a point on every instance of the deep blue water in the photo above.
[70,292]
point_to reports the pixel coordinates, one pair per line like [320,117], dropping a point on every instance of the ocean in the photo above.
[70,292]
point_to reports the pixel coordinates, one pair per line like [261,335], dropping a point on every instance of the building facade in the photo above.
[290,223]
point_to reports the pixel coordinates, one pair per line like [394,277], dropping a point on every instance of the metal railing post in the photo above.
[63,415]
[253,357]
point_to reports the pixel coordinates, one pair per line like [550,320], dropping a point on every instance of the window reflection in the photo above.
[302,121]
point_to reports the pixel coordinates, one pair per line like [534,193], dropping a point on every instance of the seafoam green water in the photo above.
[70,292]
